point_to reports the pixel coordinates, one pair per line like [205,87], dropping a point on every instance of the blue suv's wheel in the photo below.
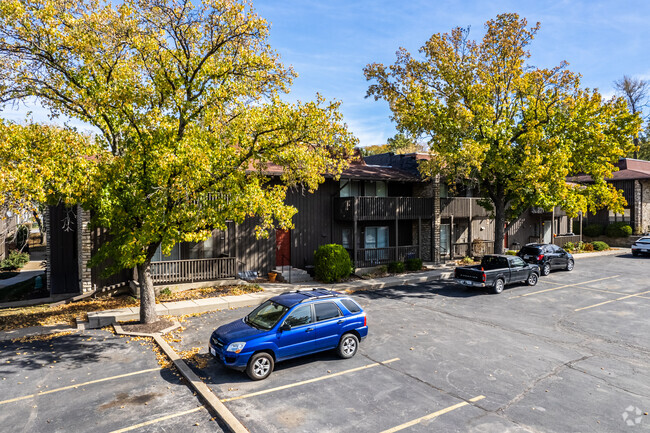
[260,366]
[348,346]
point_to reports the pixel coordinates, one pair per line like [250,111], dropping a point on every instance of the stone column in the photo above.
[84,249]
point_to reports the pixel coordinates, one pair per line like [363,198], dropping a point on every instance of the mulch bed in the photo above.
[147,328]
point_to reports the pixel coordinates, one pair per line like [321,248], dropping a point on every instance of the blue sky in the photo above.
[328,43]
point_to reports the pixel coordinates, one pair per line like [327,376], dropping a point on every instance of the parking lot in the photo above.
[93,381]
[568,355]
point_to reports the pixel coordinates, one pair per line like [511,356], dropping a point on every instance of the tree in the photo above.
[400,143]
[185,97]
[635,93]
[513,130]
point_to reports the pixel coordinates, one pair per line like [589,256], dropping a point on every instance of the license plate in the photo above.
[213,352]
[467,283]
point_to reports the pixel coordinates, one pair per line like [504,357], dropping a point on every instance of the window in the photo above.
[299,316]
[615,217]
[266,315]
[375,189]
[175,254]
[517,262]
[376,237]
[444,239]
[326,310]
[346,238]
[351,305]
[349,188]
[444,190]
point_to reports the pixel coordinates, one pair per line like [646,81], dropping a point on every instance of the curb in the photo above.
[233,424]
[612,252]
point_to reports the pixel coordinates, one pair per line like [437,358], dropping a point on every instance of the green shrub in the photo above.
[396,267]
[467,260]
[166,291]
[600,246]
[511,253]
[14,260]
[588,247]
[413,264]
[569,246]
[618,230]
[332,263]
[593,230]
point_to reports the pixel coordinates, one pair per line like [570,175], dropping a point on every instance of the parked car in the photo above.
[547,257]
[641,246]
[496,271]
[287,326]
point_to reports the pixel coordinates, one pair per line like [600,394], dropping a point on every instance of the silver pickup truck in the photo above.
[495,271]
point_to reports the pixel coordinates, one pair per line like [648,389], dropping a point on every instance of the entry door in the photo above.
[63,246]
[444,239]
[548,231]
[282,248]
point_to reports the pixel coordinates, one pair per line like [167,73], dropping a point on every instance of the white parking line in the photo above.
[154,421]
[611,300]
[433,415]
[563,287]
[304,382]
[78,385]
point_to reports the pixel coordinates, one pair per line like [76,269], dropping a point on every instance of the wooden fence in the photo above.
[189,271]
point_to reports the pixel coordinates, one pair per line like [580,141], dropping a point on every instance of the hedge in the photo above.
[396,267]
[619,229]
[413,264]
[593,230]
[600,246]
[332,263]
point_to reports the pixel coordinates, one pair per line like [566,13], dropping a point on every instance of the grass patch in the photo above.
[45,315]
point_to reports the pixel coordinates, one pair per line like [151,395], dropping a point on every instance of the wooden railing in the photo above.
[382,208]
[188,271]
[367,257]
[561,240]
[461,207]
[464,249]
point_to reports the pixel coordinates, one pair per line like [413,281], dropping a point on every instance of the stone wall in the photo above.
[642,198]
[84,249]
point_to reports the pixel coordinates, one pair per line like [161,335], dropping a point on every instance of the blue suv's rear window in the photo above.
[326,310]
[351,305]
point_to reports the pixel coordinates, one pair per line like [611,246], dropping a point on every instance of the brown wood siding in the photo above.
[98,237]
[313,224]
[254,254]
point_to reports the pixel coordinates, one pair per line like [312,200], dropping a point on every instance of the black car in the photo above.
[547,257]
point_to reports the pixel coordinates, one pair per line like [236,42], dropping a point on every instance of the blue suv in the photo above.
[287,326]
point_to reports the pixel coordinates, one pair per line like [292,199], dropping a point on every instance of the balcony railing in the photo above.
[461,207]
[382,208]
[367,257]
[189,271]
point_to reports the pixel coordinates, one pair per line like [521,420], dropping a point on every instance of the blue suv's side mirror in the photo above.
[285,327]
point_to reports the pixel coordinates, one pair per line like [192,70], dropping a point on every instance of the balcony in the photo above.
[462,207]
[382,208]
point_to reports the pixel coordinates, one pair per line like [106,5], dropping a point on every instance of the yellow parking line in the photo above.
[611,300]
[563,287]
[304,382]
[78,385]
[153,421]
[433,415]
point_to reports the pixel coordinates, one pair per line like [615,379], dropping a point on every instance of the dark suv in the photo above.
[287,326]
[547,257]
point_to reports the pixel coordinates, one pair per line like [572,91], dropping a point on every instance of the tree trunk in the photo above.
[147,294]
[500,222]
